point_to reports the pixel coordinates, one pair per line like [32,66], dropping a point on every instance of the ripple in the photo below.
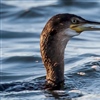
[30,13]
[24,59]
[7,10]
[37,84]
[74,80]
[84,81]
[6,6]
[80,58]
[78,4]
[12,35]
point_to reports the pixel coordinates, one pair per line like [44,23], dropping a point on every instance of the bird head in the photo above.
[72,25]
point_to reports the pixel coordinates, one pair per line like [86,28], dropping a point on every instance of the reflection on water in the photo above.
[22,72]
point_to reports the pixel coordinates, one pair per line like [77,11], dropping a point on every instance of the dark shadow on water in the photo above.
[12,35]
[79,4]
[35,84]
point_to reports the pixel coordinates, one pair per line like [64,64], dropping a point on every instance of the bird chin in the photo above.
[70,32]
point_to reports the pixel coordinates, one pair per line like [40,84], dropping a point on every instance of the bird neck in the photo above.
[52,52]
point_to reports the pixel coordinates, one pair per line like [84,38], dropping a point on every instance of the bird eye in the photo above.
[74,21]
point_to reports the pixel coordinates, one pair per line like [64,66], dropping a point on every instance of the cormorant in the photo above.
[54,37]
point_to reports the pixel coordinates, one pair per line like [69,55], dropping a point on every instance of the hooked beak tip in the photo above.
[91,26]
[87,26]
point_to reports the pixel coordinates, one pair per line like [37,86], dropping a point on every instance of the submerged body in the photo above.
[55,35]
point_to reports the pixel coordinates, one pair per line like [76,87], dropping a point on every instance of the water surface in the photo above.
[22,72]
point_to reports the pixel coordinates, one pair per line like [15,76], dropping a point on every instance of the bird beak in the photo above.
[86,26]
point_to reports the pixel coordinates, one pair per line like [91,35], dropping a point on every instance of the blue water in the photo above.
[22,72]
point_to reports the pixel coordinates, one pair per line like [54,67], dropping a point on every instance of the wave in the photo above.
[12,35]
[6,6]
[79,78]
[24,59]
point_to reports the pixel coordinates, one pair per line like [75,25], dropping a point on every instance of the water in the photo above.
[22,72]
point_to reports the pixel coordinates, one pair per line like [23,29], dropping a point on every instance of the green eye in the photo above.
[74,21]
